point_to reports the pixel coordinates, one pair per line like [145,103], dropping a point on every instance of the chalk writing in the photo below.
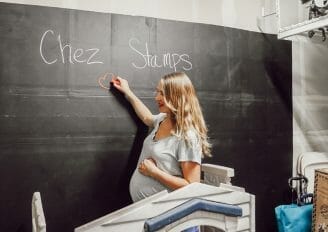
[171,60]
[74,55]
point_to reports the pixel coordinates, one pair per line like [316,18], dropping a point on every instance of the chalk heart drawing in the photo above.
[104,80]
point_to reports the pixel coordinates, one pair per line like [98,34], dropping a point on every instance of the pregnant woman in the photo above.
[172,152]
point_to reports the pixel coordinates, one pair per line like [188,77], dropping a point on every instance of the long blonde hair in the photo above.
[180,97]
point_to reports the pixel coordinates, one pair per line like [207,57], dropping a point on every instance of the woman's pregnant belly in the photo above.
[142,186]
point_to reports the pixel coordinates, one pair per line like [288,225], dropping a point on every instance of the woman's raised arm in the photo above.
[141,110]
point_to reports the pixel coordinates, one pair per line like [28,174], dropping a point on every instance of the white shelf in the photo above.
[292,19]
[302,27]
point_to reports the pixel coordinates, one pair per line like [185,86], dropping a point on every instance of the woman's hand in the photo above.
[121,84]
[148,167]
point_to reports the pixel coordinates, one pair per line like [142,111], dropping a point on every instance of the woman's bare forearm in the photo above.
[140,108]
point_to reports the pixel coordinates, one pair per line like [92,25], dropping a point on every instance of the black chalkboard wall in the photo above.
[64,134]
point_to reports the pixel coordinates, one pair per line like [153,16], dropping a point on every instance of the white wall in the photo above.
[242,14]
[310,96]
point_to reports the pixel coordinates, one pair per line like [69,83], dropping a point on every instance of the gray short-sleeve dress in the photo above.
[167,153]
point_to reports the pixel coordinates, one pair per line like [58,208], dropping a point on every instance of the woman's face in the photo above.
[159,98]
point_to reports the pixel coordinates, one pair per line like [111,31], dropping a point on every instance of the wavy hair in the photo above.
[180,97]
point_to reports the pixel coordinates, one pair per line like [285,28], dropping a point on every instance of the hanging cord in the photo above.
[299,190]
[294,188]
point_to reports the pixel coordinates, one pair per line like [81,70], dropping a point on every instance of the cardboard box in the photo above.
[320,201]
